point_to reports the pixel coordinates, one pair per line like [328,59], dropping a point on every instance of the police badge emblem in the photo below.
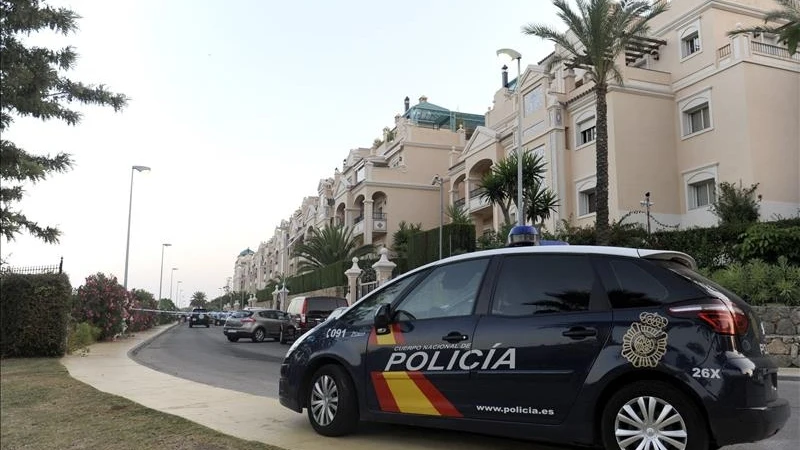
[645,342]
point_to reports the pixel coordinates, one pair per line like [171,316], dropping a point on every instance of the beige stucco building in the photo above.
[695,108]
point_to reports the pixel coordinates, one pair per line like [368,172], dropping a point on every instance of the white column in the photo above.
[352,275]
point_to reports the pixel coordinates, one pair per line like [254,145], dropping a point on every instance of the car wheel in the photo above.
[259,335]
[207,325]
[190,325]
[653,414]
[233,339]
[331,402]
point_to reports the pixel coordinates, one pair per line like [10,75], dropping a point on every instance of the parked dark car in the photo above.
[255,324]
[617,348]
[307,312]
[199,316]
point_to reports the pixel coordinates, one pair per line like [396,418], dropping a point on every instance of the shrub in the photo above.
[102,302]
[711,247]
[81,335]
[142,320]
[768,241]
[759,282]
[736,205]
[34,313]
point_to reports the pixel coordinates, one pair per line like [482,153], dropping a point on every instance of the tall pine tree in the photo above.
[33,83]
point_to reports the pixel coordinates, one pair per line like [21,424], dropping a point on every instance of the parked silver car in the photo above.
[255,324]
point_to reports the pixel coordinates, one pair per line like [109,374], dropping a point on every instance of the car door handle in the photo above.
[455,336]
[580,332]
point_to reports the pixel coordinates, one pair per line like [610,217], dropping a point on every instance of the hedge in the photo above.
[325,277]
[423,247]
[34,315]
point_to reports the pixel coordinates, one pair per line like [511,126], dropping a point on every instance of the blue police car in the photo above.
[617,347]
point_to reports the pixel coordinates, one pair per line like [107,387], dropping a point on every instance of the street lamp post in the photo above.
[172,274]
[647,204]
[130,209]
[440,181]
[161,273]
[513,54]
[178,291]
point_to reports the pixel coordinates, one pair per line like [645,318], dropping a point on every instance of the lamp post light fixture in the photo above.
[647,204]
[161,273]
[171,275]
[440,181]
[513,54]
[134,169]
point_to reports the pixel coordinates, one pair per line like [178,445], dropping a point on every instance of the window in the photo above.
[702,193]
[533,100]
[690,44]
[543,284]
[360,172]
[587,203]
[633,286]
[587,132]
[449,291]
[696,119]
[363,312]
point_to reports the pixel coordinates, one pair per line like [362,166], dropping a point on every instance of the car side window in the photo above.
[635,287]
[543,284]
[268,314]
[363,312]
[448,291]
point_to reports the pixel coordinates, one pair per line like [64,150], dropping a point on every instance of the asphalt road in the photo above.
[204,355]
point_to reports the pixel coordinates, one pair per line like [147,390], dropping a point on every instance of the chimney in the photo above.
[423,99]
[406,102]
[505,76]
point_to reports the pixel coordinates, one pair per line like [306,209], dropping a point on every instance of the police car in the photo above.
[617,347]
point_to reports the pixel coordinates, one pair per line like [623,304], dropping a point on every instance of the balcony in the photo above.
[358,225]
[379,224]
[772,50]
[476,200]
[460,203]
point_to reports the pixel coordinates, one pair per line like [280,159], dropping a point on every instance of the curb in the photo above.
[135,349]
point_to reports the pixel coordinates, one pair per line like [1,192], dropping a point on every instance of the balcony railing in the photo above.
[772,50]
[476,199]
[724,51]
[358,219]
[378,216]
[459,203]
[358,228]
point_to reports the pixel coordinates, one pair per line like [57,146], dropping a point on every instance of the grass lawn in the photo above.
[42,407]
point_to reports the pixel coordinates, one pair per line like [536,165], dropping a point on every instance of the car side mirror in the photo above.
[383,317]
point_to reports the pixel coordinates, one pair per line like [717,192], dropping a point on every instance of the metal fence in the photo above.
[366,288]
[33,270]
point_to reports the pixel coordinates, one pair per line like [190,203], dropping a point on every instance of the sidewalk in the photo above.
[108,368]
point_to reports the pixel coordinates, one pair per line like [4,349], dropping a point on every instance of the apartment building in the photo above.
[374,189]
[695,109]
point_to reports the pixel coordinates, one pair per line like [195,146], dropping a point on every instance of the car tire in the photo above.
[207,325]
[259,335]
[190,325]
[654,402]
[233,339]
[331,392]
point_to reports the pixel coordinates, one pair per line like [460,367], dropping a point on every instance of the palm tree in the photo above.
[458,215]
[500,186]
[198,300]
[327,246]
[598,32]
[403,234]
[788,33]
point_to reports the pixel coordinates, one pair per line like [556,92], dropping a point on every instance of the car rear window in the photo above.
[708,286]
[241,314]
[325,304]
[640,283]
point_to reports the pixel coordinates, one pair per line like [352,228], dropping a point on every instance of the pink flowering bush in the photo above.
[103,303]
[142,320]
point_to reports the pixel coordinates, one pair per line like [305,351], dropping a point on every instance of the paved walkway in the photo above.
[108,368]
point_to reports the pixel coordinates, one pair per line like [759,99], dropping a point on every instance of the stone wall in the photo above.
[782,327]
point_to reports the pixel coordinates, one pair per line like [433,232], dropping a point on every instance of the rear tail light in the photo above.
[248,320]
[722,315]
[303,313]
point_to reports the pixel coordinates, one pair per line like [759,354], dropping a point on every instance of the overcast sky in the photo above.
[240,108]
